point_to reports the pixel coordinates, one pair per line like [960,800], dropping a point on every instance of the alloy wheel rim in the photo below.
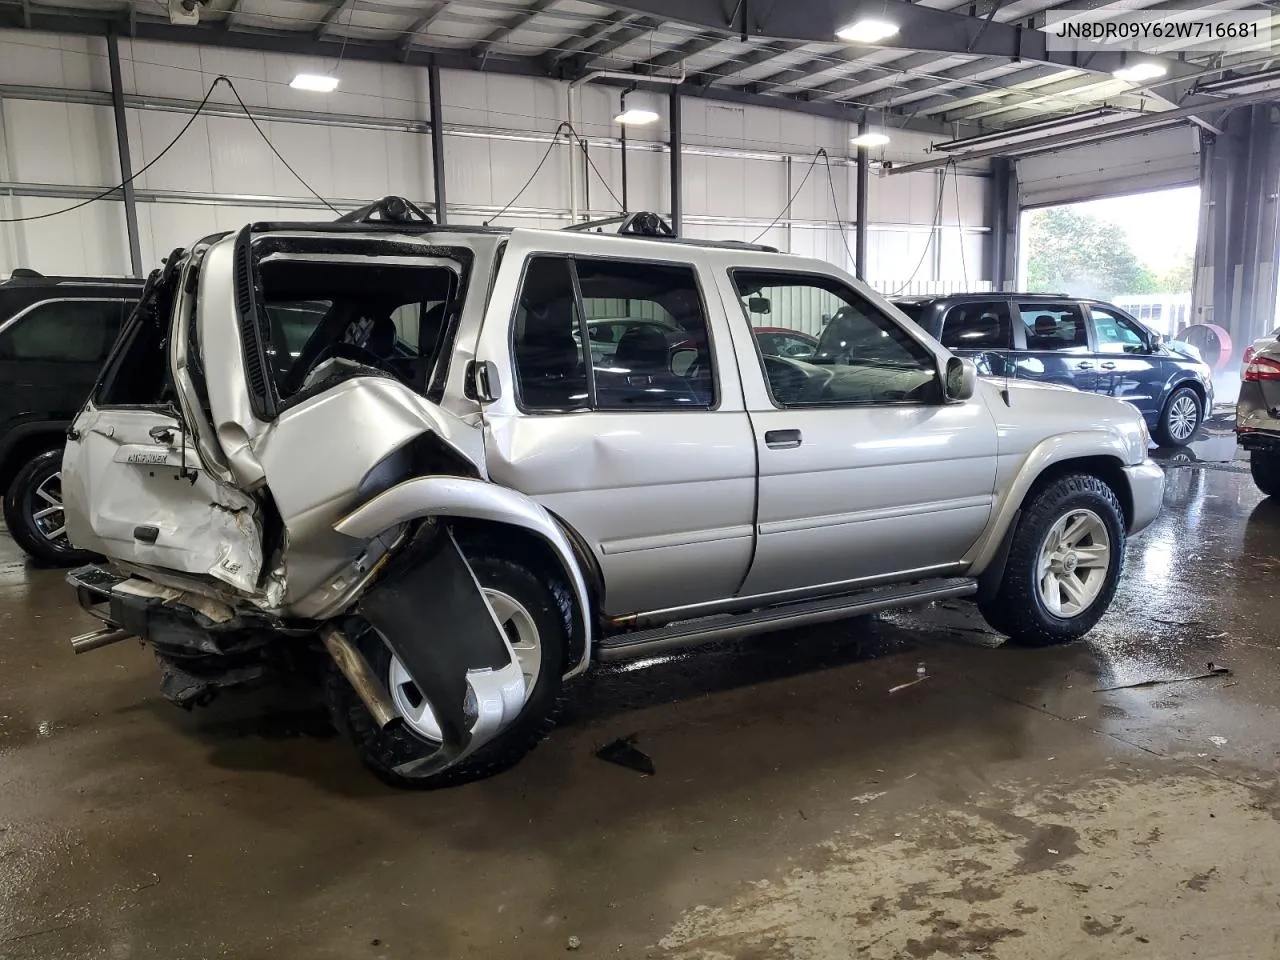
[1075,557]
[1182,418]
[47,514]
[522,633]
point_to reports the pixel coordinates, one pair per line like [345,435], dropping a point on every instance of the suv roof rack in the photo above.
[388,210]
[645,223]
[920,297]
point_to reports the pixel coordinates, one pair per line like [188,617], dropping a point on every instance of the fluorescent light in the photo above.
[636,115]
[868,31]
[1251,83]
[317,82]
[1032,131]
[870,139]
[1137,72]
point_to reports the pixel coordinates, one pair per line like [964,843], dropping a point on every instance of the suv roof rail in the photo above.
[388,210]
[23,276]
[985,293]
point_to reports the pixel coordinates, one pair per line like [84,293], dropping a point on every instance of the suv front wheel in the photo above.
[1064,564]
[1180,418]
[34,515]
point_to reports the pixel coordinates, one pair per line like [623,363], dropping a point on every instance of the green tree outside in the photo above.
[1084,256]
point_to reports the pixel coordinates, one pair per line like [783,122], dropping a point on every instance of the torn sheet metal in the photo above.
[431,613]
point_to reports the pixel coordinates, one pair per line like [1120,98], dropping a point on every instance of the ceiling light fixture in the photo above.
[872,138]
[868,31]
[636,116]
[1138,72]
[316,82]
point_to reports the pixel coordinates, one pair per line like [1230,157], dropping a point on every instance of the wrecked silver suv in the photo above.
[453,467]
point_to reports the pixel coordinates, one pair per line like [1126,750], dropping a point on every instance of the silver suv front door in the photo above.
[866,474]
[646,453]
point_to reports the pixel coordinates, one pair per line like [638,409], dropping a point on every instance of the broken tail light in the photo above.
[1260,368]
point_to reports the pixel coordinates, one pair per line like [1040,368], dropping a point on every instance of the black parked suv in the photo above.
[54,334]
[1086,344]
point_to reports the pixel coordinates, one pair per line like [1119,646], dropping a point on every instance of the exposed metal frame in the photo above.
[437,143]
[862,181]
[675,122]
[126,162]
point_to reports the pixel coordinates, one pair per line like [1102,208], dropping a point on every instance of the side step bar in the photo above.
[645,643]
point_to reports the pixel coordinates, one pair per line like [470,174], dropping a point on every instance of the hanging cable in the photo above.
[792,199]
[955,175]
[591,163]
[296,175]
[835,206]
[555,139]
[122,184]
[169,146]
[933,233]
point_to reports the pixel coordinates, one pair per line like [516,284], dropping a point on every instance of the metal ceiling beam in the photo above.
[331,17]
[98,23]
[919,28]
[431,14]
[510,26]
[729,68]
[617,39]
[690,48]
[603,28]
[910,91]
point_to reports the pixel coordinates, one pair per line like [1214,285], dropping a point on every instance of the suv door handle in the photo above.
[1109,365]
[1084,365]
[781,439]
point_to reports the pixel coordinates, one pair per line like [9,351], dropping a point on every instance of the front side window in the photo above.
[861,355]
[611,335]
[1057,327]
[65,331]
[981,325]
[1117,334]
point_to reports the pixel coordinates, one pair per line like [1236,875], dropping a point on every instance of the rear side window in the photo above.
[978,326]
[611,335]
[1054,326]
[64,331]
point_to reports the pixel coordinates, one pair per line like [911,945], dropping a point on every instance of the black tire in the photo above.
[23,499]
[1171,429]
[1265,467]
[549,606]
[1018,610]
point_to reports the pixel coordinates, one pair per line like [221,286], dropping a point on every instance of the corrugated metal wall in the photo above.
[370,138]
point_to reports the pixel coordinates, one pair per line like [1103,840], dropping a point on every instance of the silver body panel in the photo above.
[684,512]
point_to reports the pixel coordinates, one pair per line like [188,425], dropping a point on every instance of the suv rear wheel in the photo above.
[1063,566]
[33,513]
[531,612]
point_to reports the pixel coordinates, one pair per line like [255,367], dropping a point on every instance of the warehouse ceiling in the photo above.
[959,65]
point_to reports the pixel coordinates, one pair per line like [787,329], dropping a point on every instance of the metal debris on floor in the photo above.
[624,753]
[1214,670]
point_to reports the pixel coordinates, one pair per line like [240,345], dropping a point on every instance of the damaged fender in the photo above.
[476,499]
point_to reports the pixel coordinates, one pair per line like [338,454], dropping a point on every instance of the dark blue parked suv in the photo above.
[1084,344]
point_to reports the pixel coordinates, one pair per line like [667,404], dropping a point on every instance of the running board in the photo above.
[645,643]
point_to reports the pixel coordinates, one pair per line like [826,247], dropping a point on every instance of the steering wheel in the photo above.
[794,382]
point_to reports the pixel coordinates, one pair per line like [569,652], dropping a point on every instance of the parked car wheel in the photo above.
[1180,418]
[1265,467]
[532,614]
[33,513]
[1063,566]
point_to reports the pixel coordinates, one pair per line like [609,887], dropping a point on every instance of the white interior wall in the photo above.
[370,139]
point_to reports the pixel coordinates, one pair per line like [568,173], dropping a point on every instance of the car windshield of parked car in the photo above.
[862,355]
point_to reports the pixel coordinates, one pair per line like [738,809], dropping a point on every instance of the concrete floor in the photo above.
[1003,807]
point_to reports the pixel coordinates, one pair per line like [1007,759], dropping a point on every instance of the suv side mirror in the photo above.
[960,379]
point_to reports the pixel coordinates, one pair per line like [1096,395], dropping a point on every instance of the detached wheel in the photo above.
[34,515]
[1265,467]
[1180,418]
[534,616]
[1064,564]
